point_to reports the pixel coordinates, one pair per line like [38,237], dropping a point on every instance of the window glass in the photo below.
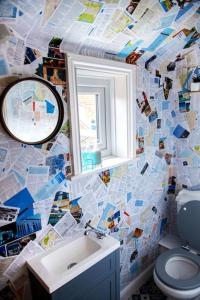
[89,129]
[88,120]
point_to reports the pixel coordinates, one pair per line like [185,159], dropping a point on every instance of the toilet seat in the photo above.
[179,284]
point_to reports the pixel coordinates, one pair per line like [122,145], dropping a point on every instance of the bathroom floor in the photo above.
[149,291]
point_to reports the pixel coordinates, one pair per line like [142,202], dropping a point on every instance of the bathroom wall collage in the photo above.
[133,202]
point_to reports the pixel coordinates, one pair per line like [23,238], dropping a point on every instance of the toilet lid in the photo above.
[188,224]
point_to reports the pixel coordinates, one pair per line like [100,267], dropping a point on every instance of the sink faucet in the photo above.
[99,234]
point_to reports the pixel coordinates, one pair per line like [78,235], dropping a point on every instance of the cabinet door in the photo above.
[104,290]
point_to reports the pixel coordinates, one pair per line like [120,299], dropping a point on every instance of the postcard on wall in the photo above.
[8,214]
[26,223]
[48,239]
[54,70]
[8,12]
[15,248]
[107,213]
[50,187]
[4,68]
[61,204]
[66,223]
[36,177]
[91,11]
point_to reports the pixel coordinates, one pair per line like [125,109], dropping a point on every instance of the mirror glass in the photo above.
[31,110]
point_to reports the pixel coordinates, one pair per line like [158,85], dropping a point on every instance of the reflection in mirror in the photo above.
[31,110]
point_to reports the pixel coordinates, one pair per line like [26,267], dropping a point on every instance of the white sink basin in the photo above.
[65,261]
[65,257]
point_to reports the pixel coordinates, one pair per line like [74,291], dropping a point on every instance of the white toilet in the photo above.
[177,271]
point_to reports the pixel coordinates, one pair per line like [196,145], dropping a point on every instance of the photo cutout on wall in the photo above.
[26,222]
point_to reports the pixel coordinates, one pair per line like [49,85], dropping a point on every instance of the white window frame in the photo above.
[102,88]
[122,93]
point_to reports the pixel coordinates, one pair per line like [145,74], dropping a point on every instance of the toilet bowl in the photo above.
[177,271]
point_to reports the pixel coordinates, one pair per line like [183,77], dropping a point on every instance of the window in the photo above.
[94,121]
[88,105]
[102,111]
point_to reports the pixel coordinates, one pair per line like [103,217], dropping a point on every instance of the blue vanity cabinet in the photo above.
[100,282]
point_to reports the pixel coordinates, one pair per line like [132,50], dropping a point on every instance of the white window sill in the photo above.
[107,163]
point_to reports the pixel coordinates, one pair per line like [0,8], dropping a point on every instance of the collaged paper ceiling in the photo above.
[143,31]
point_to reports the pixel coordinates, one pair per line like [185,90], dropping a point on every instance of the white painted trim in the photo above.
[74,115]
[101,87]
[107,163]
[134,285]
[124,97]
[131,117]
[100,62]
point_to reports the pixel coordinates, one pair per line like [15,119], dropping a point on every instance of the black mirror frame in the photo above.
[60,110]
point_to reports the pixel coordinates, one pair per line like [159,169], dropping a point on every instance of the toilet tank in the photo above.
[185,196]
[188,224]
[171,241]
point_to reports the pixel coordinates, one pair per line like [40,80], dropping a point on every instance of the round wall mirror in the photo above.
[31,110]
